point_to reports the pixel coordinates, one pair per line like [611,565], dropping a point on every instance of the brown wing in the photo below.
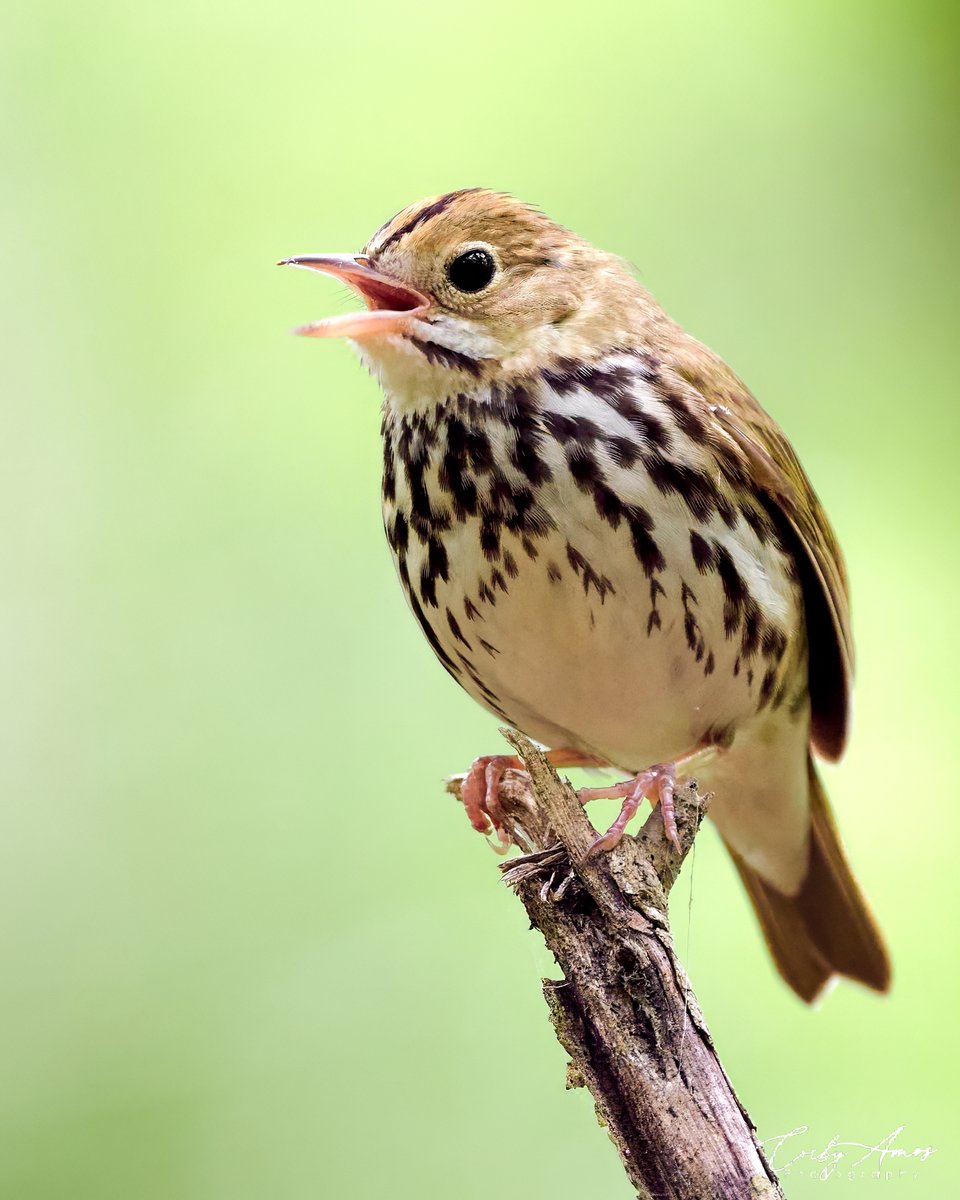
[749,441]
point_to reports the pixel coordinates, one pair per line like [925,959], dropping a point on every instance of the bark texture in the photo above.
[624,1011]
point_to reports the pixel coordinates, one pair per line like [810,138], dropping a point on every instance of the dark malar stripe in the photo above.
[435,353]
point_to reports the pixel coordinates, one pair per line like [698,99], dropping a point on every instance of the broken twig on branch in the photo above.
[624,1011]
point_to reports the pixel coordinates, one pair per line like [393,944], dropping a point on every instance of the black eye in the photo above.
[471,271]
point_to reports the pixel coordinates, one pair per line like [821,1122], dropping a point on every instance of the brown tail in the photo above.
[827,928]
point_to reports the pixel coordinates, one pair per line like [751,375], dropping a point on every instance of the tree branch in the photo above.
[624,1010]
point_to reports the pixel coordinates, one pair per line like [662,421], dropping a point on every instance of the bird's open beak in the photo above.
[390,305]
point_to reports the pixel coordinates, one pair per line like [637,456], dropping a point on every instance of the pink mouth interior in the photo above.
[381,295]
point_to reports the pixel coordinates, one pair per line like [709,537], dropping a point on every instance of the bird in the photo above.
[612,547]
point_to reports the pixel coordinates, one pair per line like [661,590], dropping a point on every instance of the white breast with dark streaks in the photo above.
[576,561]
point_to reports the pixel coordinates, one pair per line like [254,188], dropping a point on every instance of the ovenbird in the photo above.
[612,547]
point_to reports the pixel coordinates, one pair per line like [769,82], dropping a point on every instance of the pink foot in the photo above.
[481,796]
[657,783]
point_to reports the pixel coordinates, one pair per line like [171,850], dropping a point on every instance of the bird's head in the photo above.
[475,285]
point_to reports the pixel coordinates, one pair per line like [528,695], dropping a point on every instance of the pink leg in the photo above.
[481,795]
[480,790]
[657,783]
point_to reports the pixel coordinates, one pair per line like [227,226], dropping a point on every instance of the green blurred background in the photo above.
[249,947]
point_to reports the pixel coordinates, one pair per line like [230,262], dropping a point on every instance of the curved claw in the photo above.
[503,842]
[481,797]
[633,792]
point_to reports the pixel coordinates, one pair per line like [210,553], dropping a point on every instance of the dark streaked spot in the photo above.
[563,375]
[650,428]
[692,632]
[431,637]
[575,559]
[529,549]
[526,455]
[608,504]
[456,631]
[751,629]
[526,458]
[703,553]
[478,449]
[489,647]
[490,539]
[624,451]
[428,587]
[510,564]
[437,560]
[774,643]
[470,406]
[759,522]
[567,428]
[653,622]
[453,474]
[649,368]
[435,567]
[497,581]
[398,534]
[709,665]
[502,493]
[553,572]
[766,688]
[694,487]
[605,382]
[471,609]
[644,546]
[515,403]
[389,488]
[461,488]
[422,516]
[734,590]
[489,693]
[720,735]
[728,514]
[686,419]
[404,442]
[583,467]
[524,516]
[588,576]
[404,573]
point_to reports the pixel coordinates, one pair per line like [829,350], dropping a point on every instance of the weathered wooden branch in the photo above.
[624,1010]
